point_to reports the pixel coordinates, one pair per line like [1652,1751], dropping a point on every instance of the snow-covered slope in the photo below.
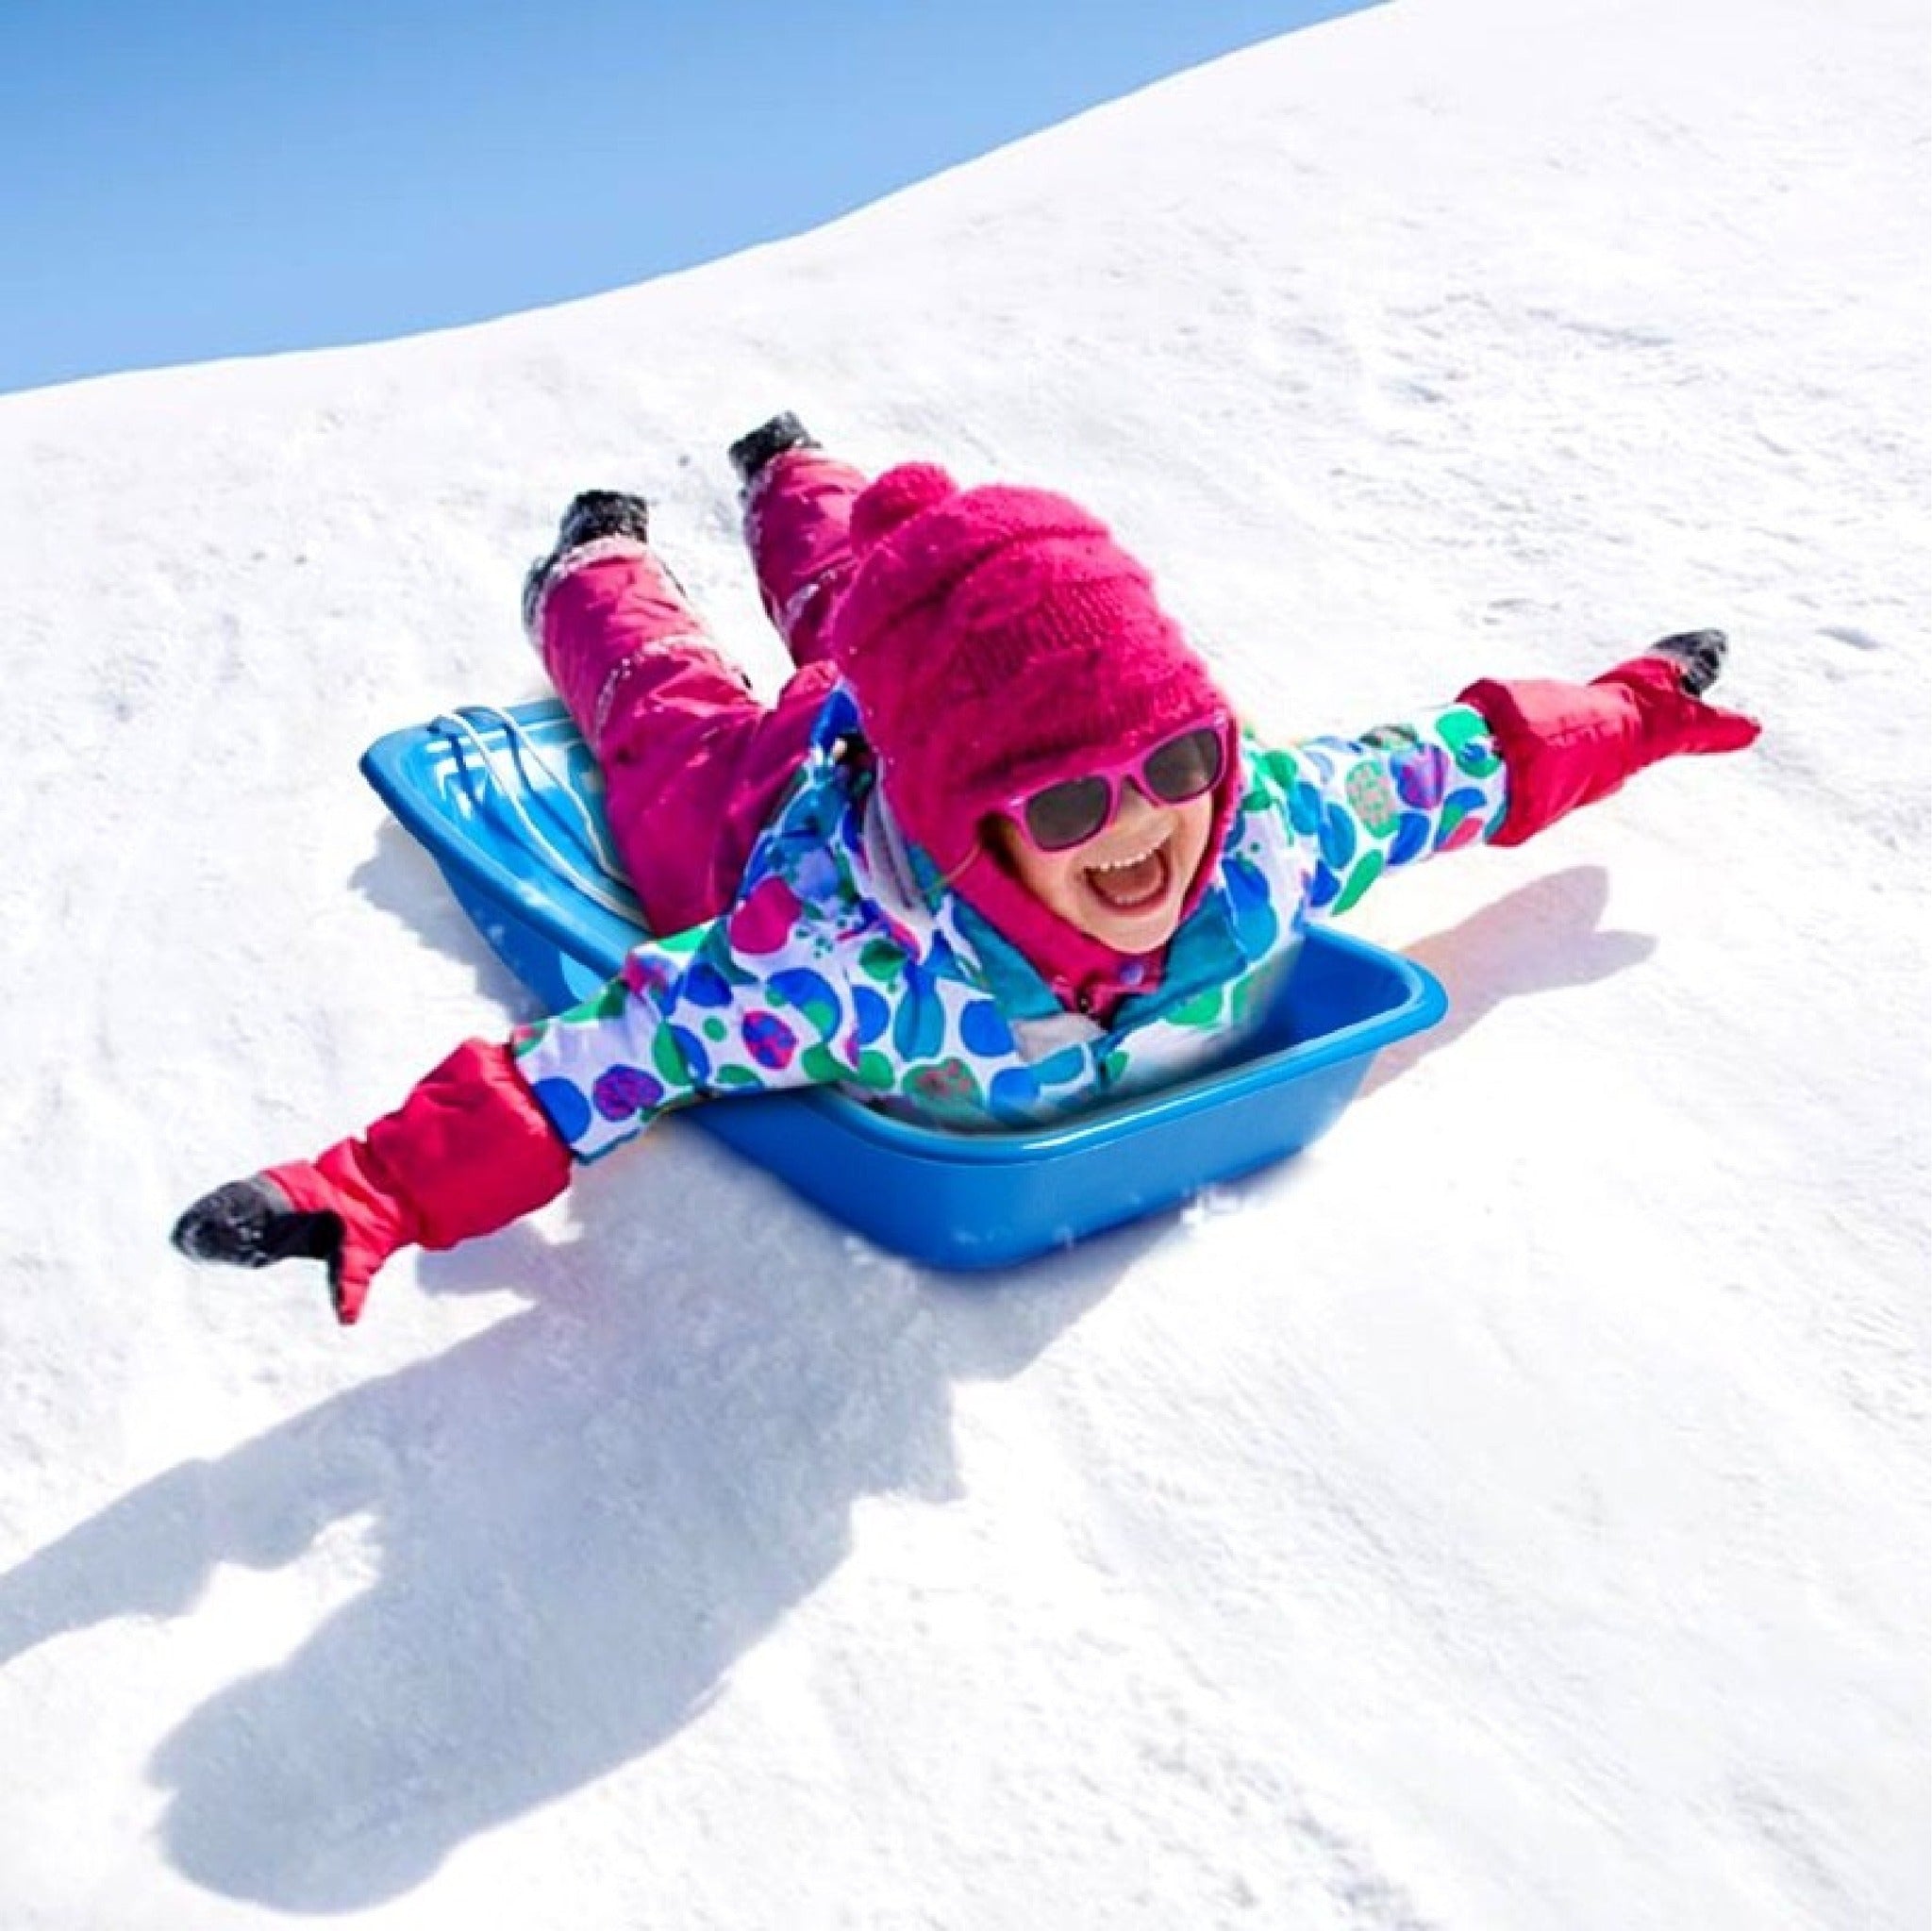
[1511,1515]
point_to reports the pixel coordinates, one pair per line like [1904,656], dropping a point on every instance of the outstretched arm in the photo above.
[466,1152]
[1360,806]
[1505,762]
[491,1134]
[1570,744]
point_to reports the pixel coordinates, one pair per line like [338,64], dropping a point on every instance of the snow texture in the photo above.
[1512,1515]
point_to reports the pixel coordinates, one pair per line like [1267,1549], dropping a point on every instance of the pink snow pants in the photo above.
[693,763]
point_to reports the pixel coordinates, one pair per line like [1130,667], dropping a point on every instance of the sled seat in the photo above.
[508,804]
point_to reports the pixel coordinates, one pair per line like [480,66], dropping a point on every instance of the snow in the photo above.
[1511,1514]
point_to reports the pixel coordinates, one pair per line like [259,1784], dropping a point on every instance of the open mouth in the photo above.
[1134,884]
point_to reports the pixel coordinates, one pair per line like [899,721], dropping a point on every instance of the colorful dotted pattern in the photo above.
[824,972]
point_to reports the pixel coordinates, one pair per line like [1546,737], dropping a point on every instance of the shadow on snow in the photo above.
[584,1515]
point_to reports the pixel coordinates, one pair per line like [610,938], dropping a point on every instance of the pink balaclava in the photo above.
[998,640]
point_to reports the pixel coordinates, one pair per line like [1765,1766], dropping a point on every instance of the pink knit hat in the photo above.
[998,640]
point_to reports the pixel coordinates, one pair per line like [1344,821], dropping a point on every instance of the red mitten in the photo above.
[1570,744]
[468,1151]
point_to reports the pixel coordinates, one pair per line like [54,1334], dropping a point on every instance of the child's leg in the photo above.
[693,763]
[796,513]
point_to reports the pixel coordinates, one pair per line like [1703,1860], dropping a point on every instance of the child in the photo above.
[999,851]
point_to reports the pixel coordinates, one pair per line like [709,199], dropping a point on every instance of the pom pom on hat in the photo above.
[895,497]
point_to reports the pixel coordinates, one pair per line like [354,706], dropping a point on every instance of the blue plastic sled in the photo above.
[508,804]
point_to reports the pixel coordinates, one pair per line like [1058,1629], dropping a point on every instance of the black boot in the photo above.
[753,450]
[593,515]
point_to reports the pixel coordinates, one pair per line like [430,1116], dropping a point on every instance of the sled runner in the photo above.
[508,804]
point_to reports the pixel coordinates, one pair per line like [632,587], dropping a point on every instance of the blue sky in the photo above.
[187,179]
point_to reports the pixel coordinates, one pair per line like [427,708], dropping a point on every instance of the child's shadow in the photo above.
[575,1521]
[1541,938]
[581,1518]
[399,878]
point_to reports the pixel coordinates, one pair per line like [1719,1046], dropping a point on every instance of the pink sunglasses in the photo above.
[1060,816]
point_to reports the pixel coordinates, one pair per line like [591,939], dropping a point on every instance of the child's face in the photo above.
[1127,886]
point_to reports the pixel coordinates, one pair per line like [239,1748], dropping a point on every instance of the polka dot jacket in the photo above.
[844,962]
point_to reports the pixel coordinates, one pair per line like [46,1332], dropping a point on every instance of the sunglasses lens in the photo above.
[1067,814]
[1184,767]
